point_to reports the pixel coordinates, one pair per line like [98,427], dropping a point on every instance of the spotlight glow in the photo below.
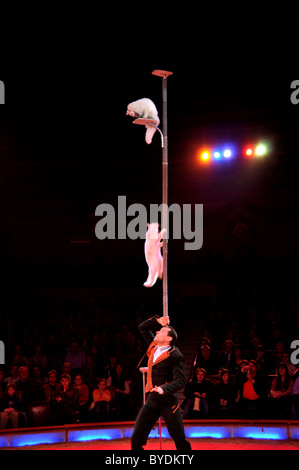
[204,156]
[261,150]
[227,153]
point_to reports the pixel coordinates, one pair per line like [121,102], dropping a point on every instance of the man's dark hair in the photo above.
[173,335]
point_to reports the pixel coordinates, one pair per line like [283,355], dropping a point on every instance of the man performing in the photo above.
[165,376]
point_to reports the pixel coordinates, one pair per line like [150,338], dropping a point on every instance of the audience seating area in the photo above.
[88,340]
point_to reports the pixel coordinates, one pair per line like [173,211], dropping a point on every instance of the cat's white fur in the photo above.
[153,256]
[145,108]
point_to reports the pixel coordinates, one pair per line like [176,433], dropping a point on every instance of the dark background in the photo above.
[67,145]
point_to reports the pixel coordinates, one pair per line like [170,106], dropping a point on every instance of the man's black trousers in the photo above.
[154,407]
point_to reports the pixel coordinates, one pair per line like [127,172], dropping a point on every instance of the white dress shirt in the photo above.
[159,350]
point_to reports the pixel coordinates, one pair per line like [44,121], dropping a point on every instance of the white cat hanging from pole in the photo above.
[152,249]
[145,108]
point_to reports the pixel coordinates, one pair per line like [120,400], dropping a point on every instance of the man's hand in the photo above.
[157,389]
[163,321]
[275,394]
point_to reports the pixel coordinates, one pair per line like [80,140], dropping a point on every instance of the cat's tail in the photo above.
[160,273]
[151,280]
[150,130]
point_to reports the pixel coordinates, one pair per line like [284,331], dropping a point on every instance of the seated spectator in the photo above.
[66,368]
[37,375]
[76,357]
[110,367]
[53,353]
[120,389]
[274,338]
[241,370]
[100,405]
[224,396]
[227,359]
[38,359]
[206,361]
[295,396]
[98,361]
[254,347]
[3,385]
[83,397]
[19,359]
[31,390]
[51,392]
[198,393]
[262,360]
[10,406]
[238,357]
[204,341]
[89,372]
[128,339]
[67,401]
[14,375]
[280,393]
[286,360]
[277,357]
[252,392]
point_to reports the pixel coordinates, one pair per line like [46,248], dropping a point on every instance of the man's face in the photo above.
[24,373]
[225,377]
[252,368]
[200,375]
[10,391]
[65,382]
[52,378]
[162,336]
[67,367]
[74,346]
[205,352]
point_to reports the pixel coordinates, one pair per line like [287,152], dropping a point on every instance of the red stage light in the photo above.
[249,152]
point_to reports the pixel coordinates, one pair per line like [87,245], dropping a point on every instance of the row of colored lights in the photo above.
[226,153]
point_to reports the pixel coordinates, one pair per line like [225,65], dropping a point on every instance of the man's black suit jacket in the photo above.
[168,371]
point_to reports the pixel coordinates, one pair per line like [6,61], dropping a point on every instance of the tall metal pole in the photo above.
[164,74]
[164,142]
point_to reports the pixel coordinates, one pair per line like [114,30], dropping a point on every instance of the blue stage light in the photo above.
[217,155]
[32,439]
[155,433]
[94,434]
[294,432]
[217,432]
[4,441]
[261,432]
